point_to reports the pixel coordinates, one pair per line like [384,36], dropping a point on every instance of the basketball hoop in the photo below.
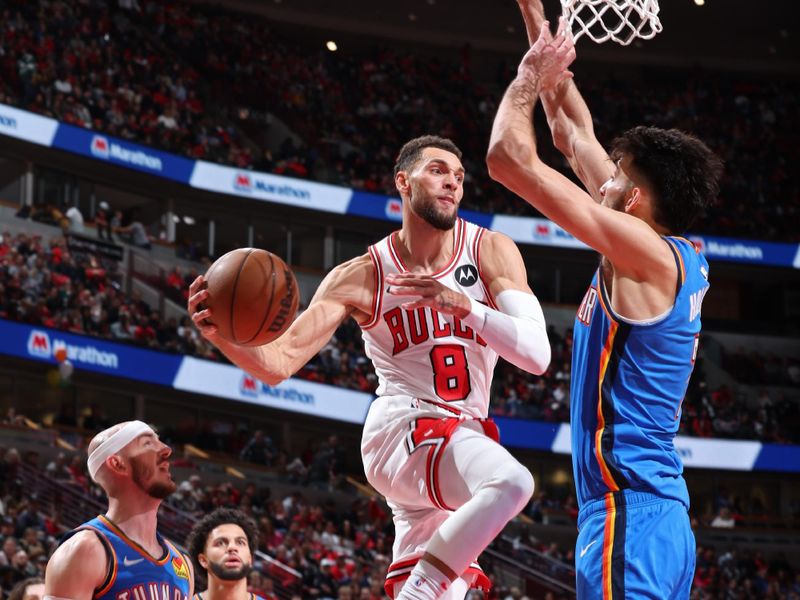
[619,20]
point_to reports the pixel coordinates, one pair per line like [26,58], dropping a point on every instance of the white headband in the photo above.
[115,442]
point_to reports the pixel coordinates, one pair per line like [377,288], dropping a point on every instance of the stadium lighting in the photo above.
[699,2]
[331,45]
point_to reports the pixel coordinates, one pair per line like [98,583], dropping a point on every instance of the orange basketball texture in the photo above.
[253,296]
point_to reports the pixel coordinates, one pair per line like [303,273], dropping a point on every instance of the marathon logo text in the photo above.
[737,250]
[250,386]
[8,122]
[102,147]
[247,183]
[40,346]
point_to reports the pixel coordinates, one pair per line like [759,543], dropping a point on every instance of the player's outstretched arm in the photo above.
[517,331]
[77,568]
[347,289]
[628,242]
[569,118]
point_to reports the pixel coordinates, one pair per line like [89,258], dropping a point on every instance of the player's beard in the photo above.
[226,574]
[426,209]
[141,472]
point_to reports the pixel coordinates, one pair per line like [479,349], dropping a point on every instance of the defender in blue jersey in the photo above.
[637,328]
[120,555]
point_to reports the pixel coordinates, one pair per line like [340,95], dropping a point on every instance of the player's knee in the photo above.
[516,484]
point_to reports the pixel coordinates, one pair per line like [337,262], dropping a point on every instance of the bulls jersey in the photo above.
[135,575]
[628,381]
[425,354]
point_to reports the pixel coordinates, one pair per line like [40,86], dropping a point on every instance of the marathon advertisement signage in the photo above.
[748,251]
[540,232]
[27,126]
[330,198]
[88,353]
[123,153]
[696,453]
[318,400]
[271,188]
[294,395]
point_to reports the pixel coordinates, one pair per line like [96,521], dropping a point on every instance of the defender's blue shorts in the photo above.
[634,545]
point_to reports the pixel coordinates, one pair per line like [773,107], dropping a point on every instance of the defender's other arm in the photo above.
[633,247]
[569,118]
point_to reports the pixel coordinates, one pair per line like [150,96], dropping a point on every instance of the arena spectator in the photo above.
[259,449]
[136,74]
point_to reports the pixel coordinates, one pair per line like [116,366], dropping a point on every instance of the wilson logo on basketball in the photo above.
[286,303]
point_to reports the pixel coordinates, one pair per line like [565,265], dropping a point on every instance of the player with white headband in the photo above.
[120,554]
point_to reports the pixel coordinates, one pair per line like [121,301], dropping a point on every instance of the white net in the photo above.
[619,20]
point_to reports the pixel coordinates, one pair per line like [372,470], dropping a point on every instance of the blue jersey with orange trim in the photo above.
[135,575]
[628,381]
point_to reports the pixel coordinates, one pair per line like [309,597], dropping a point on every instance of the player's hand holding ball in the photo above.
[248,297]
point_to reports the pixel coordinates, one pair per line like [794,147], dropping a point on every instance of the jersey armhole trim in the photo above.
[111,557]
[377,299]
[476,252]
[681,278]
[605,302]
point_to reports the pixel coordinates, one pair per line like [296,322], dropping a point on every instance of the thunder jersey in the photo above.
[628,381]
[135,575]
[423,353]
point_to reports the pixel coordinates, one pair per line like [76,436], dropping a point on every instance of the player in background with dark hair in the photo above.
[637,329]
[221,545]
[437,302]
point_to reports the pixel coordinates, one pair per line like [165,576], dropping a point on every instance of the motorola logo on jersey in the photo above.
[466,275]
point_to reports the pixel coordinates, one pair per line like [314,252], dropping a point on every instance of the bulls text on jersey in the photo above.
[417,326]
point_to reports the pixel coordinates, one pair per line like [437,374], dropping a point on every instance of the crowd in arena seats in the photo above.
[89,65]
[338,552]
[742,574]
[166,74]
[758,368]
[43,283]
[720,413]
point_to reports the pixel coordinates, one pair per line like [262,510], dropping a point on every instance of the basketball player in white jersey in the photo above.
[437,302]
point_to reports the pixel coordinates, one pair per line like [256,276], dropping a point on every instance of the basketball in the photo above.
[253,296]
